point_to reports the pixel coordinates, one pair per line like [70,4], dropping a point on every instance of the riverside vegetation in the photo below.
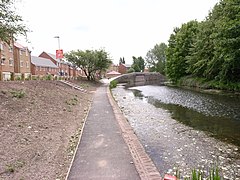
[203,54]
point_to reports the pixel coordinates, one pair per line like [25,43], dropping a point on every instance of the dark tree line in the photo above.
[209,49]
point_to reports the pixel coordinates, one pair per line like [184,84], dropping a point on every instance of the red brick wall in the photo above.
[44,70]
[22,60]
[122,69]
[7,54]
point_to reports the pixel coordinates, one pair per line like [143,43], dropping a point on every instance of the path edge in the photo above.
[79,141]
[143,163]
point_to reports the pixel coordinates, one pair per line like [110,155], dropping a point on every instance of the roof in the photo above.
[43,62]
[113,73]
[16,44]
[53,56]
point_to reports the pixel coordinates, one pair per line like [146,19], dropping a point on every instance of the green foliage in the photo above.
[209,49]
[10,22]
[22,76]
[12,76]
[178,50]
[48,77]
[18,94]
[138,64]
[90,61]
[113,84]
[199,175]
[156,58]
[130,70]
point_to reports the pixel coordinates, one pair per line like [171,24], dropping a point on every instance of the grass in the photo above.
[199,175]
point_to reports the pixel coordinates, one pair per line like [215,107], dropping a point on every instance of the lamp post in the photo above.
[60,66]
[58,41]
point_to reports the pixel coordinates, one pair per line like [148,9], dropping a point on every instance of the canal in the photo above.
[185,129]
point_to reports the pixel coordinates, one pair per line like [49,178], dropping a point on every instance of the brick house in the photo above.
[123,68]
[64,67]
[43,66]
[22,60]
[6,60]
[14,58]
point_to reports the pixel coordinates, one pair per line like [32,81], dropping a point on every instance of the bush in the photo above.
[12,76]
[113,84]
[22,77]
[48,77]
[131,70]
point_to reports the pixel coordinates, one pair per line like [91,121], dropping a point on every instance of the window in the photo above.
[20,51]
[26,52]
[21,63]
[3,60]
[27,64]
[10,62]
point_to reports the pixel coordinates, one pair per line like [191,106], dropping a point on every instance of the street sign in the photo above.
[59,54]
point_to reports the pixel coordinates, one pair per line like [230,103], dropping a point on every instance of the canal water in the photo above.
[185,129]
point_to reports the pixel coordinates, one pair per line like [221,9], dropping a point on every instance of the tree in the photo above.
[90,61]
[179,46]
[156,58]
[10,23]
[122,60]
[138,64]
[226,34]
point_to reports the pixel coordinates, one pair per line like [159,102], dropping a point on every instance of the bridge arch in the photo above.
[140,79]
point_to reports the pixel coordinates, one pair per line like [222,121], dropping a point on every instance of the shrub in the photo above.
[12,76]
[131,70]
[113,84]
[48,77]
[22,77]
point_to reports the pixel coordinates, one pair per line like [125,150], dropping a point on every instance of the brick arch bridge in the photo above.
[139,79]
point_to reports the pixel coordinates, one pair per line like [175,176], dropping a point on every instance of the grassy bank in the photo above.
[206,84]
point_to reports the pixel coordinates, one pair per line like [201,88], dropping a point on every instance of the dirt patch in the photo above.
[40,122]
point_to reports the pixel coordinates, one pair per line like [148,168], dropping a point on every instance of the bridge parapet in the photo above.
[139,79]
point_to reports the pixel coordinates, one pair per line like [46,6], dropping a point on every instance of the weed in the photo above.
[198,175]
[10,168]
[72,102]
[18,94]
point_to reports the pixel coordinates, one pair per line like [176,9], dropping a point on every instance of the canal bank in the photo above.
[172,144]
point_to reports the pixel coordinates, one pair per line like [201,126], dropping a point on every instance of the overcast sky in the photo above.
[125,28]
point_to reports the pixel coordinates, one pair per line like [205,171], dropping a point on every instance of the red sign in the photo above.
[59,54]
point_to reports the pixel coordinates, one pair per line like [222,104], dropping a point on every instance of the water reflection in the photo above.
[217,114]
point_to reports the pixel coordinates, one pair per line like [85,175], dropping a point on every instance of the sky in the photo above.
[124,28]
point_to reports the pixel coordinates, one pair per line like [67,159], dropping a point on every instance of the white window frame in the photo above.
[11,63]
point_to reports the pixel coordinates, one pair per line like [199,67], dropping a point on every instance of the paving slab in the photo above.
[102,152]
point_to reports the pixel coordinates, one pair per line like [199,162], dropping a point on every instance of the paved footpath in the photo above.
[102,152]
